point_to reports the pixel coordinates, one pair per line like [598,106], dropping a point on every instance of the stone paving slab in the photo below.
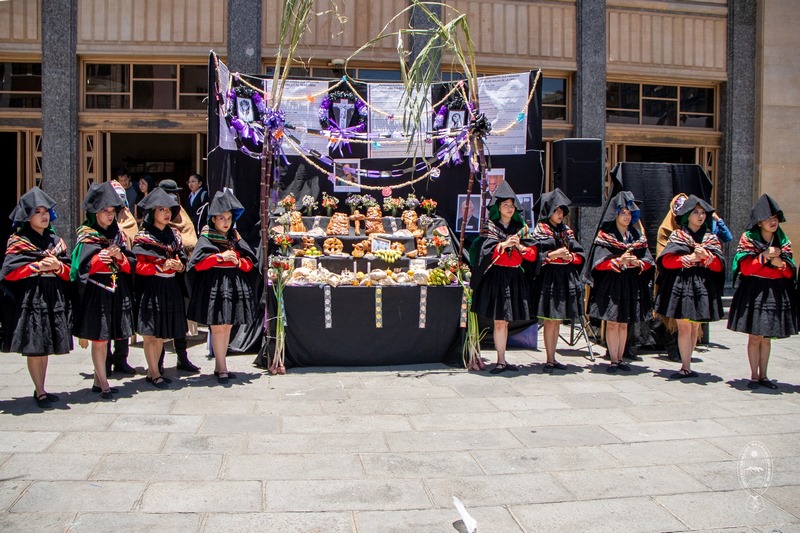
[36,522]
[722,509]
[344,494]
[598,516]
[202,497]
[135,522]
[490,520]
[45,466]
[26,441]
[75,496]
[534,460]
[628,482]
[153,467]
[295,466]
[666,452]
[509,489]
[331,522]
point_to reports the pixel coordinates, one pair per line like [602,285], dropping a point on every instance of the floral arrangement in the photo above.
[354,201]
[439,242]
[280,270]
[429,205]
[309,204]
[368,201]
[411,201]
[393,205]
[284,220]
[287,202]
[425,222]
[329,203]
[283,241]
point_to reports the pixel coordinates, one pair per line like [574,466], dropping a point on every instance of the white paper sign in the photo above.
[302,112]
[227,135]
[502,98]
[388,97]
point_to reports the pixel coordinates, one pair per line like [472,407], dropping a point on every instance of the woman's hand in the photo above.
[701,254]
[48,264]
[560,253]
[104,257]
[173,264]
[229,256]
[113,251]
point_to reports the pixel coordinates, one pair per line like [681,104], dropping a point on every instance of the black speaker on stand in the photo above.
[578,169]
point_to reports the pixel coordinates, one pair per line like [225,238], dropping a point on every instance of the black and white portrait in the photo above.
[244,108]
[456,119]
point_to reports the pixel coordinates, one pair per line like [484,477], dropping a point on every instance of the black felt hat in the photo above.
[504,192]
[101,195]
[624,199]
[683,212]
[550,201]
[765,207]
[169,186]
[28,203]
[224,201]
[160,198]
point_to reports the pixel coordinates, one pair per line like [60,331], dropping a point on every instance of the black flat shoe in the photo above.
[231,375]
[612,368]
[752,384]
[498,369]
[160,382]
[107,394]
[559,366]
[150,380]
[683,374]
[624,366]
[765,382]
[125,368]
[42,401]
[97,389]
[548,368]
[187,366]
[52,397]
[222,377]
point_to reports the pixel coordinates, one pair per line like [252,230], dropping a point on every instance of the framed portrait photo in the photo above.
[526,200]
[244,109]
[471,223]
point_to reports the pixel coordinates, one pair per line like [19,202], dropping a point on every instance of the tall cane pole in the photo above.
[266,172]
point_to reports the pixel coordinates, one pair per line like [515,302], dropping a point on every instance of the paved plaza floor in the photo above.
[384,449]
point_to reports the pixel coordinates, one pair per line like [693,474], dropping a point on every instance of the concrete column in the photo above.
[736,181]
[590,92]
[244,36]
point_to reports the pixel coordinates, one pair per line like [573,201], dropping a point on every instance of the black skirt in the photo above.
[765,307]
[689,293]
[557,293]
[222,296]
[503,294]
[44,321]
[160,307]
[620,297]
[105,315]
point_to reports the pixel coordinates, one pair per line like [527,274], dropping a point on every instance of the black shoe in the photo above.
[683,374]
[612,368]
[753,384]
[559,366]
[222,378]
[97,389]
[187,366]
[548,368]
[42,401]
[124,368]
[765,382]
[107,394]
[231,375]
[625,367]
[150,380]
[160,382]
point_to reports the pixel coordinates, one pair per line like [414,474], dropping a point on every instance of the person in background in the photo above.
[102,265]
[501,288]
[183,224]
[690,277]
[197,198]
[765,303]
[146,186]
[222,293]
[36,271]
[618,270]
[121,176]
[557,290]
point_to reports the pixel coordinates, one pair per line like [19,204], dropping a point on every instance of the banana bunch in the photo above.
[390,256]
[437,276]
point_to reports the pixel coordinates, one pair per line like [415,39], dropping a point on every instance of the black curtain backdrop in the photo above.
[655,184]
[227,168]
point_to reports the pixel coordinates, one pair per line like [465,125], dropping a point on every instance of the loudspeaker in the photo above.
[578,170]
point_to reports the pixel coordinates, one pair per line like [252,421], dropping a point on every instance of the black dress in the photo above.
[557,289]
[764,306]
[160,308]
[695,292]
[106,305]
[222,294]
[619,295]
[501,287]
[41,306]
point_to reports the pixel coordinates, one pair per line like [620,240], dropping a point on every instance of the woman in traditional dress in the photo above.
[557,288]
[764,304]
[222,293]
[690,277]
[102,265]
[159,299]
[501,251]
[618,270]
[36,273]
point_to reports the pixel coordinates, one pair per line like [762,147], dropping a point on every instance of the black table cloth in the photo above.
[353,339]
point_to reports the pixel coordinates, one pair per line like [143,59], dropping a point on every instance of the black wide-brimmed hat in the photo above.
[682,213]
[28,203]
[169,186]
[550,201]
[624,199]
[504,192]
[765,207]
[102,195]
[223,202]
[159,198]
